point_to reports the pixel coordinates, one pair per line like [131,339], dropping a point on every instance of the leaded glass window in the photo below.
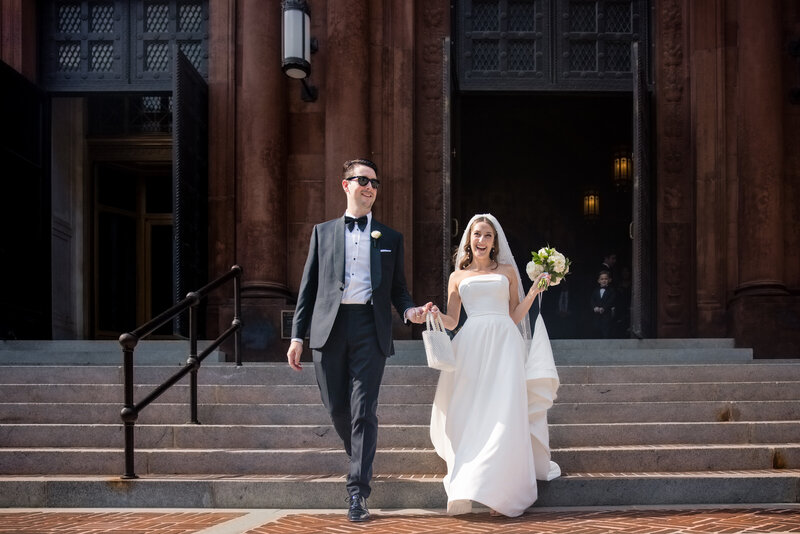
[595,39]
[548,44]
[114,45]
[505,38]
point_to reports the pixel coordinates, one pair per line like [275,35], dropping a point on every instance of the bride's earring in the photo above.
[492,254]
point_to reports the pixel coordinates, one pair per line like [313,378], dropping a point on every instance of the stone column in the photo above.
[261,152]
[346,95]
[261,182]
[762,313]
[760,148]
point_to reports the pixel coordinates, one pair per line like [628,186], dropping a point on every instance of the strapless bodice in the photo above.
[484,294]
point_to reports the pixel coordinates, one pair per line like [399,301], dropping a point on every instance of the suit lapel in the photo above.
[375,256]
[338,250]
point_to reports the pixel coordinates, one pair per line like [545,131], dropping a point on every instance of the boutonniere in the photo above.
[375,236]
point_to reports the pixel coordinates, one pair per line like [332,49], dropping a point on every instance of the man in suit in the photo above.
[603,302]
[352,277]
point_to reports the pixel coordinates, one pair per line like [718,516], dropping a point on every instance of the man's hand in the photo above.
[293,355]
[417,315]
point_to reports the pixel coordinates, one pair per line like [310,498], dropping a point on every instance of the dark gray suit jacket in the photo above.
[323,283]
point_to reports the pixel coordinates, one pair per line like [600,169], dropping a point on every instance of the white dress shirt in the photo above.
[357,277]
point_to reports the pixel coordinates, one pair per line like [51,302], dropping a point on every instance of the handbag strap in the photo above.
[434,324]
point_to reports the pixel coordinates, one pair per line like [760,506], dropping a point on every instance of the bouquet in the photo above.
[548,260]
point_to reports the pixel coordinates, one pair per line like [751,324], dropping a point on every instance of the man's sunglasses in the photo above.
[363,181]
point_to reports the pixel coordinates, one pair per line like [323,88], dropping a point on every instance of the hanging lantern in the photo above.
[296,39]
[623,169]
[591,204]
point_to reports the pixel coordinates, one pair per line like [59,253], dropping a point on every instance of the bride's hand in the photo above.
[538,282]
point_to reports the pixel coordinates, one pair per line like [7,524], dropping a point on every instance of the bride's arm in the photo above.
[516,309]
[450,320]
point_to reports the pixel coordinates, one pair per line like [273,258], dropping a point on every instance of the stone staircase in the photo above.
[636,422]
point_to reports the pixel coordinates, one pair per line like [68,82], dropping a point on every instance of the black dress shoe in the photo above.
[358,509]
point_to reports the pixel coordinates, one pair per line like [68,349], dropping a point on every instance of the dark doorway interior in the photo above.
[133,245]
[529,160]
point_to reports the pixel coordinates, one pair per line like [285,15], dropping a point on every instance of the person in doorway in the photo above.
[609,261]
[603,301]
[488,420]
[352,277]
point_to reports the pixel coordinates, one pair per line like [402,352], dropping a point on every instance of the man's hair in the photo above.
[349,164]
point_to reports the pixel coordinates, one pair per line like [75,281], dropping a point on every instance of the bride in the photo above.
[489,416]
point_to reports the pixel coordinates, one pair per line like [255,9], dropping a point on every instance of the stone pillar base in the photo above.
[262,333]
[770,324]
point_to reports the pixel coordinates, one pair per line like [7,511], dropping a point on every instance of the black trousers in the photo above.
[349,371]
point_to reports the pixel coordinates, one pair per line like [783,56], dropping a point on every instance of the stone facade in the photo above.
[727,169]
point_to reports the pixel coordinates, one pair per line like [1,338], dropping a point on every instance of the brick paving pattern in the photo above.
[111,522]
[623,521]
[716,521]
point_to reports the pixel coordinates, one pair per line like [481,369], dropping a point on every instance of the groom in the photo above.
[353,274]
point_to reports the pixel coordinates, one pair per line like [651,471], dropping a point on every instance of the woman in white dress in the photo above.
[489,416]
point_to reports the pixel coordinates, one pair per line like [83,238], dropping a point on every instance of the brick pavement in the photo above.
[718,520]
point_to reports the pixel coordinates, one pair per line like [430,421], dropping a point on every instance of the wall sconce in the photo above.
[591,205]
[623,169]
[298,45]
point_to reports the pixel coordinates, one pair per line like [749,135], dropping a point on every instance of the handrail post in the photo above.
[130,411]
[237,315]
[193,361]
[128,414]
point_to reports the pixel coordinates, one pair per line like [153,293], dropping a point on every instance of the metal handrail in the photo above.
[131,410]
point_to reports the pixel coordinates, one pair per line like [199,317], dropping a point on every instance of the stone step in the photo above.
[696,391]
[396,492]
[614,356]
[281,374]
[693,457]
[159,353]
[613,434]
[757,371]
[674,411]
[414,414]
[408,461]
[111,393]
[407,352]
[189,436]
[99,352]
[398,394]
[225,414]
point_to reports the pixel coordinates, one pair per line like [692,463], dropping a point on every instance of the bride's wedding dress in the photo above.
[489,416]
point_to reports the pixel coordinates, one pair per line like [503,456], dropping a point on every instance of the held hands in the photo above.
[417,314]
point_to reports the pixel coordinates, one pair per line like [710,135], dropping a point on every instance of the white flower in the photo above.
[376,234]
[559,262]
[533,270]
[543,253]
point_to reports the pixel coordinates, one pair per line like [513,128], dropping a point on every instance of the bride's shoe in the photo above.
[495,513]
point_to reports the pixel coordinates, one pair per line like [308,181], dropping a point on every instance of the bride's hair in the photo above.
[468,248]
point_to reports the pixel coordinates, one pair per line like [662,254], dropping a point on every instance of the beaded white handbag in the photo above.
[438,348]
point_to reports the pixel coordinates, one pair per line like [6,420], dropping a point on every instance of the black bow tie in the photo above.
[351,222]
